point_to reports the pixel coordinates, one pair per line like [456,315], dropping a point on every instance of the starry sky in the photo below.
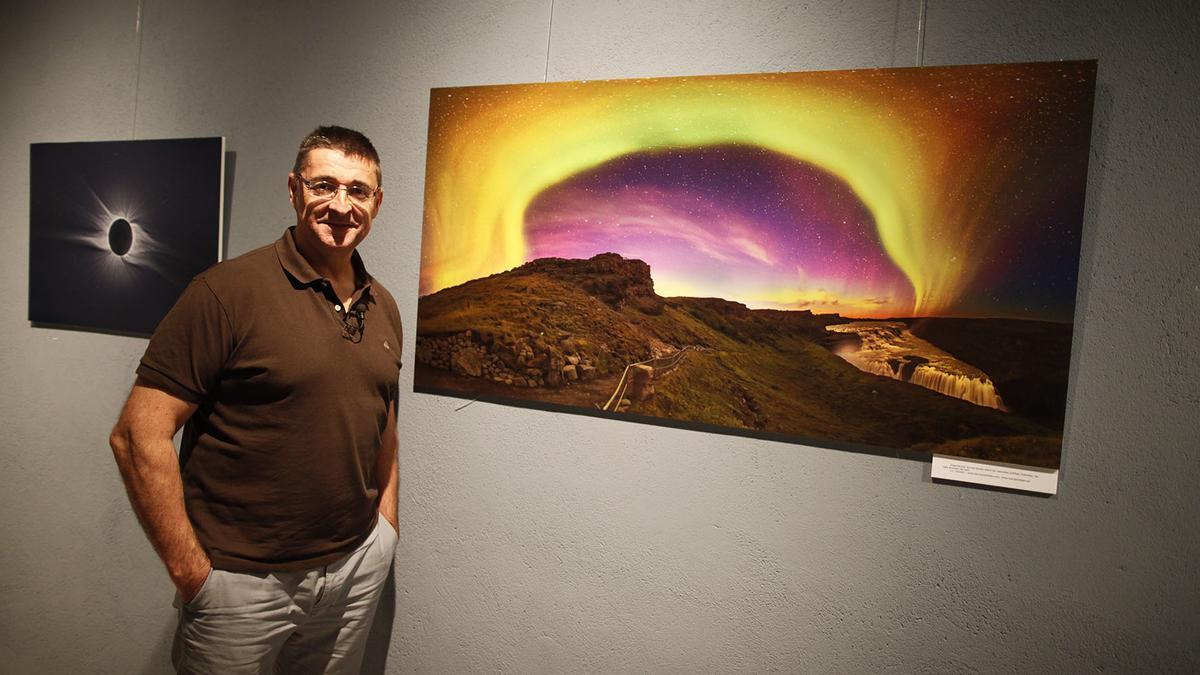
[948,191]
[724,221]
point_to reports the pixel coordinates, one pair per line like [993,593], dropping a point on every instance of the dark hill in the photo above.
[554,307]
[615,281]
[562,331]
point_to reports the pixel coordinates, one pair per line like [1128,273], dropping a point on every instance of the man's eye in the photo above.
[323,188]
[358,192]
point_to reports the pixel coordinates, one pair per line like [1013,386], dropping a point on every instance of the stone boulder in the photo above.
[466,361]
[641,378]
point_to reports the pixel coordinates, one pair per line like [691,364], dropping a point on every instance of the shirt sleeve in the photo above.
[392,312]
[190,347]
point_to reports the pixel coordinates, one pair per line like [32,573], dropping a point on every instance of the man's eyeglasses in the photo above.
[324,189]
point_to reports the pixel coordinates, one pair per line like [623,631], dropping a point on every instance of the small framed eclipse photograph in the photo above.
[117,229]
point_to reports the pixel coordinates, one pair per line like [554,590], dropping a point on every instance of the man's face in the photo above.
[338,222]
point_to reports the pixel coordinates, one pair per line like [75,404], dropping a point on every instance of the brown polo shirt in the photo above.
[278,461]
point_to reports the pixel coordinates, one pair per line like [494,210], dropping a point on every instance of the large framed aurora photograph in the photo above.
[877,260]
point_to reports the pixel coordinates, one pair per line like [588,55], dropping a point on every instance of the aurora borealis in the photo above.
[872,193]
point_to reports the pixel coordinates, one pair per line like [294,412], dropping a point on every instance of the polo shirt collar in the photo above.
[298,268]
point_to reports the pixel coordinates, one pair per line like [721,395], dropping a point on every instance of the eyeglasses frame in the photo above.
[308,185]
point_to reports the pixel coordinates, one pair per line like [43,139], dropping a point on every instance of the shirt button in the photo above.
[338,307]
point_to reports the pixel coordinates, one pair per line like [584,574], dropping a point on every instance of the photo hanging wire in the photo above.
[137,68]
[921,36]
[549,32]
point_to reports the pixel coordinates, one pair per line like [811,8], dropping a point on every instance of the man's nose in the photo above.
[340,201]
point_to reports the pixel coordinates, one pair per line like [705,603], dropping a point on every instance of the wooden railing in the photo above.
[662,364]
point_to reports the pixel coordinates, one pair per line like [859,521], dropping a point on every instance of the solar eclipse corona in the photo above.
[119,228]
[878,260]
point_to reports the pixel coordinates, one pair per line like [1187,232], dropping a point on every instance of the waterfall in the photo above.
[889,349]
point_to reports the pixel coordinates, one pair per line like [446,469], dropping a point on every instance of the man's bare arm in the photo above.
[386,477]
[141,444]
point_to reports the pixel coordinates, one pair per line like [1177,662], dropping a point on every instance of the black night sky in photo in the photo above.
[119,228]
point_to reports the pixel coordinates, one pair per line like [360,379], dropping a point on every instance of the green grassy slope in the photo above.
[763,370]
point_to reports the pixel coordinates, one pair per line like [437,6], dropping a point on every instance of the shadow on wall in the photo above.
[1097,165]
[159,660]
[227,206]
[375,660]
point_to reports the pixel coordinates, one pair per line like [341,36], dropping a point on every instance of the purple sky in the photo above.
[736,222]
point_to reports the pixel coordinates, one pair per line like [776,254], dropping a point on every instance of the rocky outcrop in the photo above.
[529,361]
[618,282]
[466,361]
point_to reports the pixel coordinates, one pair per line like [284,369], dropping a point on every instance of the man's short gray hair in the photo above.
[348,141]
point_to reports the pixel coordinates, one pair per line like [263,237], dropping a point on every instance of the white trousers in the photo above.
[310,621]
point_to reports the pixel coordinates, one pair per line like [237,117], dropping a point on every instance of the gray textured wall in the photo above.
[541,542]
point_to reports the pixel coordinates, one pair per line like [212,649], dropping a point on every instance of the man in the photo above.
[277,521]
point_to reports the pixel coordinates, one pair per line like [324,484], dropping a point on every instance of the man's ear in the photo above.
[292,182]
[378,202]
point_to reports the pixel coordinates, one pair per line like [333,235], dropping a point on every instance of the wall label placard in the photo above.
[996,474]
